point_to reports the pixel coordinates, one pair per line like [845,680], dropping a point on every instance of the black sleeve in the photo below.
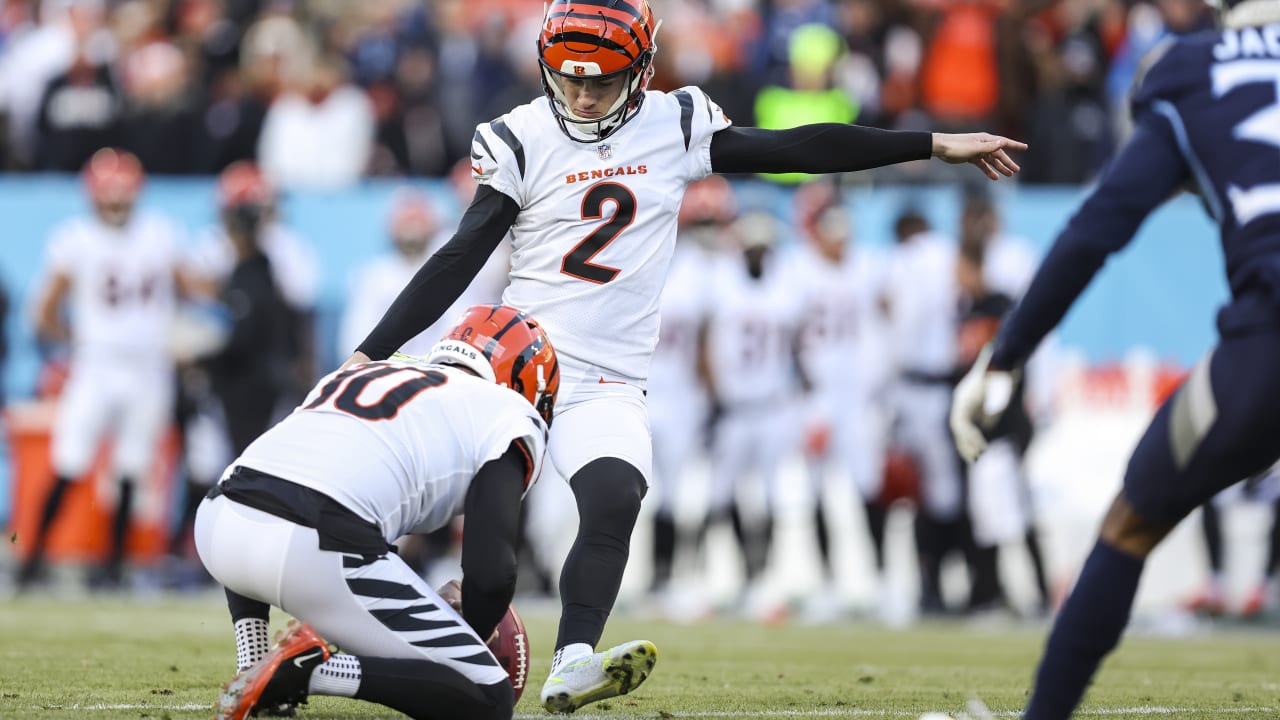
[444,275]
[818,148]
[490,538]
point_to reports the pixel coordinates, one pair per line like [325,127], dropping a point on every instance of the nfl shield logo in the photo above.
[605,151]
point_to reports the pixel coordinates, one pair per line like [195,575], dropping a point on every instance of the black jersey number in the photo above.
[385,407]
[578,261]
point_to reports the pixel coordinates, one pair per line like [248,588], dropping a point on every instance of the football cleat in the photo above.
[600,676]
[278,680]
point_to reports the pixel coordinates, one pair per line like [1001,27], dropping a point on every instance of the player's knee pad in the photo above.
[608,491]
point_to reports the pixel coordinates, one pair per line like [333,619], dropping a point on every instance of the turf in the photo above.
[121,658]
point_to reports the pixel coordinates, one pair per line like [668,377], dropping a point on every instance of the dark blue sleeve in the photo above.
[1144,174]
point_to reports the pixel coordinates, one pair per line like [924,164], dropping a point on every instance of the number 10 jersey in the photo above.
[398,443]
[597,223]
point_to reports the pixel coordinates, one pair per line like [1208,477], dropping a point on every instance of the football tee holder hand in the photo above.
[978,403]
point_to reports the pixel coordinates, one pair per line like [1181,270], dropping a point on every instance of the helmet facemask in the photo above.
[580,47]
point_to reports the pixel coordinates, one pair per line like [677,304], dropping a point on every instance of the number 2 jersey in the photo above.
[597,223]
[397,442]
[1207,118]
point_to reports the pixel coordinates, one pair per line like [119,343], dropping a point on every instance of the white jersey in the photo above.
[122,293]
[597,222]
[845,330]
[398,443]
[1009,265]
[751,333]
[685,301]
[923,301]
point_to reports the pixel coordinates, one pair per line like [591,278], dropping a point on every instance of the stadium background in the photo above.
[423,73]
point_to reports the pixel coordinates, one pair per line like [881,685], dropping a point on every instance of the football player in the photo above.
[922,337]
[677,401]
[589,179]
[842,342]
[1204,117]
[749,364]
[304,518]
[118,273]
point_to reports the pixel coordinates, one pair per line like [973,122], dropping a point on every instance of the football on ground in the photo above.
[511,647]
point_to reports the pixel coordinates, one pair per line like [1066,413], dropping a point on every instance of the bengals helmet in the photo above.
[504,345]
[113,179]
[596,40]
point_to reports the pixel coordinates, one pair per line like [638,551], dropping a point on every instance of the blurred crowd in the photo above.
[324,92]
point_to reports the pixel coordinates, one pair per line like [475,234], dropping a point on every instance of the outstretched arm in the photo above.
[443,277]
[835,147]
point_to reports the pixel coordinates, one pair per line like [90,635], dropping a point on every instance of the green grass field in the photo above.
[118,658]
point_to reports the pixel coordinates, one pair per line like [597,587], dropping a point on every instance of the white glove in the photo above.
[978,403]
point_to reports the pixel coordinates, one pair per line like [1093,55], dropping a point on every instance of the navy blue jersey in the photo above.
[1207,119]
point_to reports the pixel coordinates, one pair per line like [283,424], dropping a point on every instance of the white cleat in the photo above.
[607,674]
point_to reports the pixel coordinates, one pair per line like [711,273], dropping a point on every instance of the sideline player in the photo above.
[589,180]
[677,401]
[304,518]
[1203,116]
[748,361]
[118,272]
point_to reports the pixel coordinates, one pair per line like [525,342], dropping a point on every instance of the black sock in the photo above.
[664,549]
[120,528]
[929,552]
[1088,627]
[1037,565]
[1273,547]
[824,537]
[877,517]
[984,591]
[242,607]
[608,492]
[1211,525]
[425,690]
[52,504]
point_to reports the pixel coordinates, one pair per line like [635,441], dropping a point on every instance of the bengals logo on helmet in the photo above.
[506,346]
[601,39]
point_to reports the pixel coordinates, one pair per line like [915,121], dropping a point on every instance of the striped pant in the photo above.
[375,607]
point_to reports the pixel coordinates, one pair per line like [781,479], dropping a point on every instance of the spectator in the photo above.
[318,133]
[162,123]
[79,113]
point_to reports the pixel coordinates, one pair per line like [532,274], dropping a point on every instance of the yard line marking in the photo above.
[1141,710]
[134,706]
[1152,710]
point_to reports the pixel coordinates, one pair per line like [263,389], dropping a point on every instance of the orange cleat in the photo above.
[1256,603]
[278,679]
[1208,602]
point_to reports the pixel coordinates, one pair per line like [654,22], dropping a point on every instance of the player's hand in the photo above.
[988,152]
[451,593]
[977,405]
[356,358]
